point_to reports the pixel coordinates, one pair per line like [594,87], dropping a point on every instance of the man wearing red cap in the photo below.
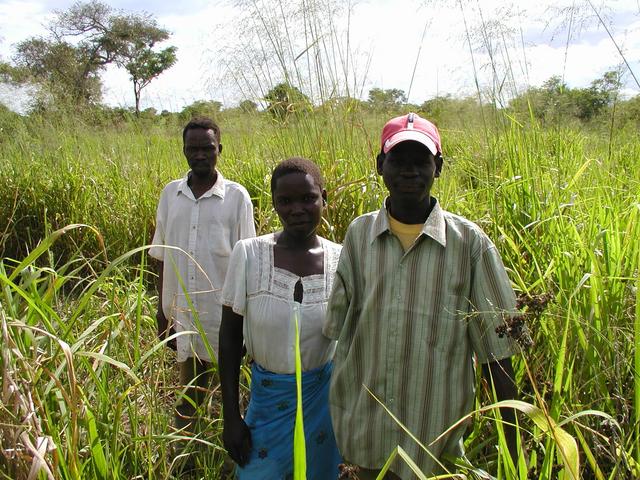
[418,295]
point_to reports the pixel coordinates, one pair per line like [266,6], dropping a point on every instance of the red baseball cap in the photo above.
[410,127]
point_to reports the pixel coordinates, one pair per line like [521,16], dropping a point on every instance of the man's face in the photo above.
[408,170]
[201,150]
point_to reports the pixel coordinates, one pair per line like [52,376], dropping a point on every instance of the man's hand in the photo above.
[164,330]
[500,376]
[236,438]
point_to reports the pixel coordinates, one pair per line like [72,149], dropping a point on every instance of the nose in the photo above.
[297,208]
[409,170]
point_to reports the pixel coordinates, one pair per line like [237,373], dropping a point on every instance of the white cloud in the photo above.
[19,20]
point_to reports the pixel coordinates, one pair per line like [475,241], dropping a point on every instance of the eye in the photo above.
[204,148]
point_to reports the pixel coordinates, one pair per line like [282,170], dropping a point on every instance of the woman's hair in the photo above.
[297,165]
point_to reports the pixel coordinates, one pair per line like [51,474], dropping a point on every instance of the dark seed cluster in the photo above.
[347,472]
[515,326]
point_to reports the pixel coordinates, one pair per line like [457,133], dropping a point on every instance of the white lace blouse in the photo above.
[263,295]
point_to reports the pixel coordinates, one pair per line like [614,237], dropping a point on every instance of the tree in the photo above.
[386,100]
[549,103]
[201,108]
[61,68]
[83,40]
[629,112]
[555,101]
[446,109]
[602,92]
[284,100]
[143,65]
[248,106]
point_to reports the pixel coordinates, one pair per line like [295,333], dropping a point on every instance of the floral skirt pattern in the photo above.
[271,416]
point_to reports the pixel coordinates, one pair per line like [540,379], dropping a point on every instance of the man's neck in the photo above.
[410,213]
[200,185]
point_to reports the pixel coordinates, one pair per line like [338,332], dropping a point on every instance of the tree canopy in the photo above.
[201,108]
[285,99]
[555,99]
[386,100]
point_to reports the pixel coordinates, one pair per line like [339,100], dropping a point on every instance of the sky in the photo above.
[419,46]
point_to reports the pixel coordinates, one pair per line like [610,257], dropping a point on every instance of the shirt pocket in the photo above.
[219,242]
[451,331]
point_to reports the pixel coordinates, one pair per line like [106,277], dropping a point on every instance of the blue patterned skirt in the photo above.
[271,416]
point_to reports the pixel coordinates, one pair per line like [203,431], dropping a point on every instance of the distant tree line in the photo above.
[552,103]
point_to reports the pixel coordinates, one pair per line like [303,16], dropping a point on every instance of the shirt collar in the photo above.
[217,188]
[435,226]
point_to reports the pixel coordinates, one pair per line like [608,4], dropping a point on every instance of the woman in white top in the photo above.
[271,281]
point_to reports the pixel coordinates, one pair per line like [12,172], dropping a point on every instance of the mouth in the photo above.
[410,187]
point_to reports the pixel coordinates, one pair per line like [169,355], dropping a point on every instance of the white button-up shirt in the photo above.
[200,235]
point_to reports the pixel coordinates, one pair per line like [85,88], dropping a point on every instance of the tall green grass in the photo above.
[88,391]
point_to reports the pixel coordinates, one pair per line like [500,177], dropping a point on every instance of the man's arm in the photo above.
[500,375]
[493,299]
[236,436]
[164,330]
[246,224]
[341,291]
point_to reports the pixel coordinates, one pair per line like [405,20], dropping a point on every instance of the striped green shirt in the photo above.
[408,326]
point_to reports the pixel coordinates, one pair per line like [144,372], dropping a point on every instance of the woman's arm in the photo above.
[236,435]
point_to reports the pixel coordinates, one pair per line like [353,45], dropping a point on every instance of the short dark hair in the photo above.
[297,165]
[204,123]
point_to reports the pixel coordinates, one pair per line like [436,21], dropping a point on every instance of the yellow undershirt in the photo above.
[406,233]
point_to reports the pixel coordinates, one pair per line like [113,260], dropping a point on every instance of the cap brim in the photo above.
[406,135]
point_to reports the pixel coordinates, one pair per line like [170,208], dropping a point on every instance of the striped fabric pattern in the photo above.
[409,325]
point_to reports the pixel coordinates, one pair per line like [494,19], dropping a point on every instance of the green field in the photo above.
[87,391]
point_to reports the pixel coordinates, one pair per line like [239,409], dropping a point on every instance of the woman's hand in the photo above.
[236,438]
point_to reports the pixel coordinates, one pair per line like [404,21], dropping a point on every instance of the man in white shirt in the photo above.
[199,219]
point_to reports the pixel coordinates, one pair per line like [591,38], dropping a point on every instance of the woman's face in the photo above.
[299,202]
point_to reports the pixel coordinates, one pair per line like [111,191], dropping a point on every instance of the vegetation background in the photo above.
[552,174]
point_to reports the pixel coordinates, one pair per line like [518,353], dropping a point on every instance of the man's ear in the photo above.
[219,148]
[324,197]
[379,161]
[439,161]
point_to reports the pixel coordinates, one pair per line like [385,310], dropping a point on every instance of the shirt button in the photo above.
[194,227]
